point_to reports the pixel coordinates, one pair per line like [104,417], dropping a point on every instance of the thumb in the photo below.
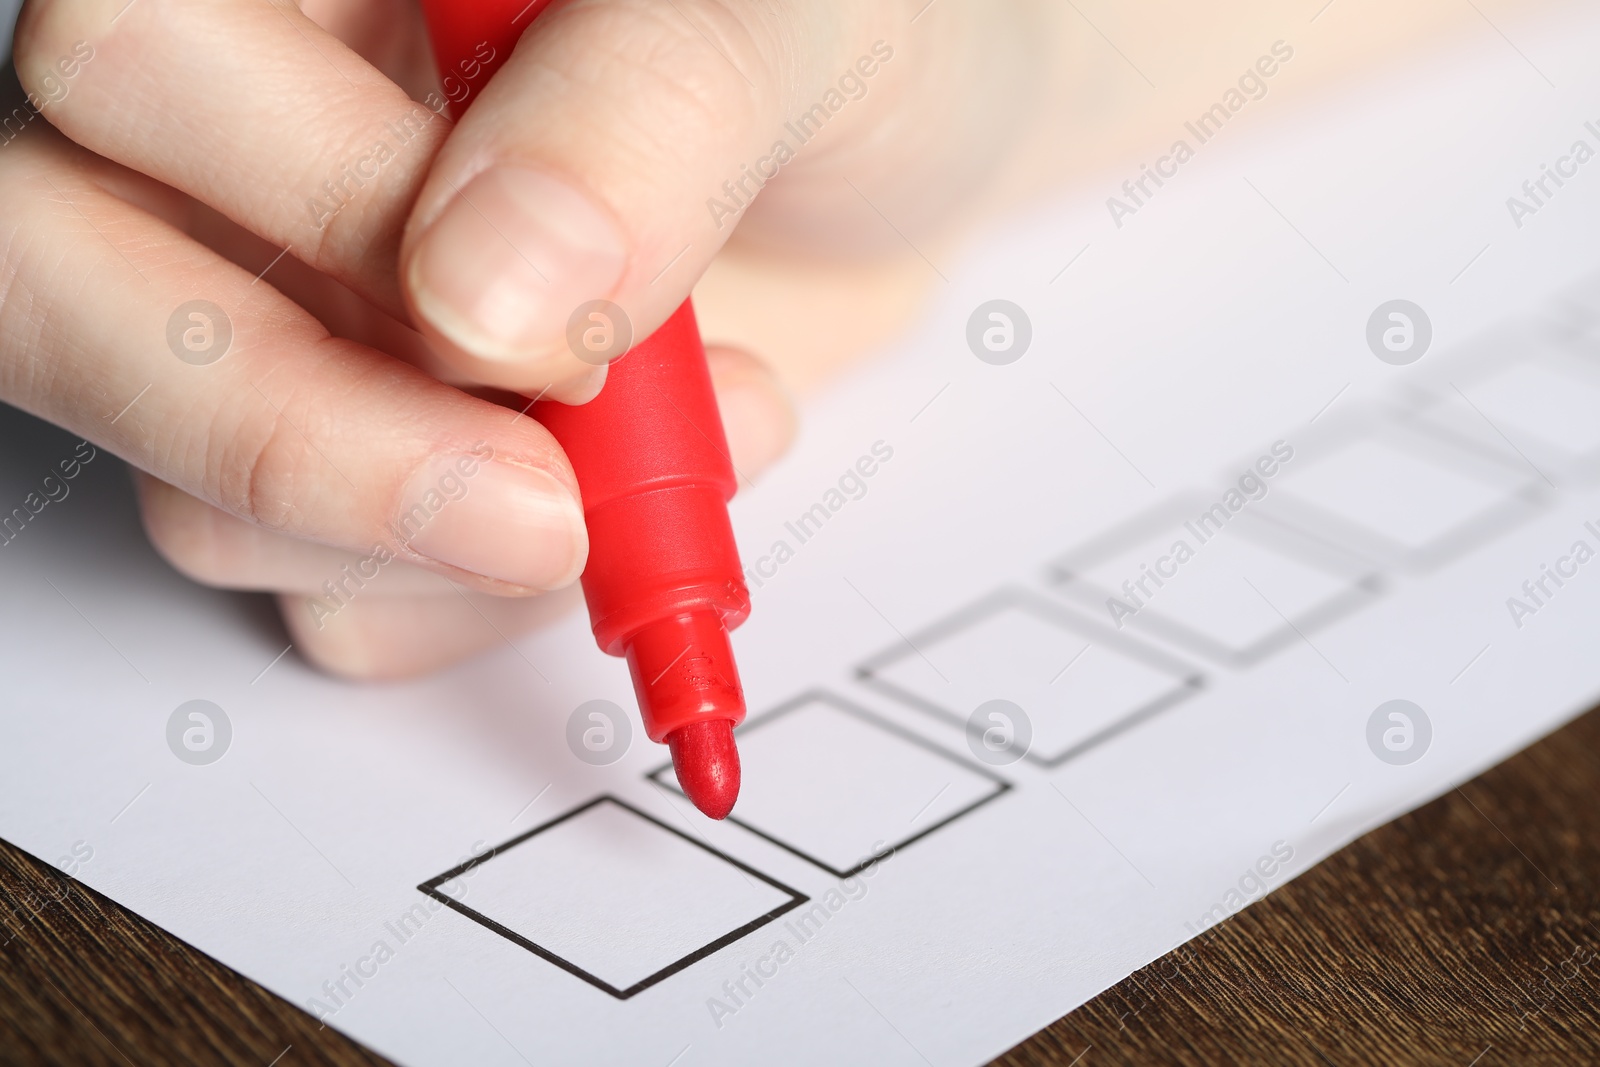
[609,161]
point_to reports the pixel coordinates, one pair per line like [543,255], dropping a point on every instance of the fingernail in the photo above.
[501,270]
[517,524]
[580,390]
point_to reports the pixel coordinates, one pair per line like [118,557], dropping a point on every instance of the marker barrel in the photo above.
[663,583]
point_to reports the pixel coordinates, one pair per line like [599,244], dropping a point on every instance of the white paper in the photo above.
[1212,747]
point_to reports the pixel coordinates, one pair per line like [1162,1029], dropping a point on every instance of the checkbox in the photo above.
[840,787]
[613,896]
[1234,591]
[1079,683]
[1400,495]
[1538,411]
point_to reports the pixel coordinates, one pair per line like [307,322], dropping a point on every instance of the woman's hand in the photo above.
[306,307]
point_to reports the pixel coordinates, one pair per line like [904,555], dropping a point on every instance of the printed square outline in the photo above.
[1485,353]
[431,888]
[820,695]
[1365,580]
[1426,399]
[1521,495]
[1188,681]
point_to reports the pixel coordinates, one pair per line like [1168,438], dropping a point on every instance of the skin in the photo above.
[410,324]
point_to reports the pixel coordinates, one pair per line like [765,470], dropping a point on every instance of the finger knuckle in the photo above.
[707,57]
[362,182]
[262,468]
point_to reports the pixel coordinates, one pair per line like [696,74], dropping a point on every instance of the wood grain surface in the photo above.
[1465,934]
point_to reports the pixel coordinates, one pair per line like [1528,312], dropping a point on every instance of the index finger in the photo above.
[250,108]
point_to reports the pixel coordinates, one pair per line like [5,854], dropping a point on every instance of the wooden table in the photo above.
[1465,933]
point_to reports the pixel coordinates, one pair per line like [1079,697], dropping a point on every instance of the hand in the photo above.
[288,428]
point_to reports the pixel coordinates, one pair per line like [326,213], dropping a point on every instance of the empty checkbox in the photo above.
[1538,411]
[1400,495]
[613,896]
[1235,589]
[840,787]
[1078,683]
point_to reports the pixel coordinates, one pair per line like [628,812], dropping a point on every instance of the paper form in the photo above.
[993,766]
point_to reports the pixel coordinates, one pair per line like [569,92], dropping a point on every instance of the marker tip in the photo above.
[707,762]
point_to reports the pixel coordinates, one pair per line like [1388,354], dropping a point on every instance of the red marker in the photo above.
[663,582]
